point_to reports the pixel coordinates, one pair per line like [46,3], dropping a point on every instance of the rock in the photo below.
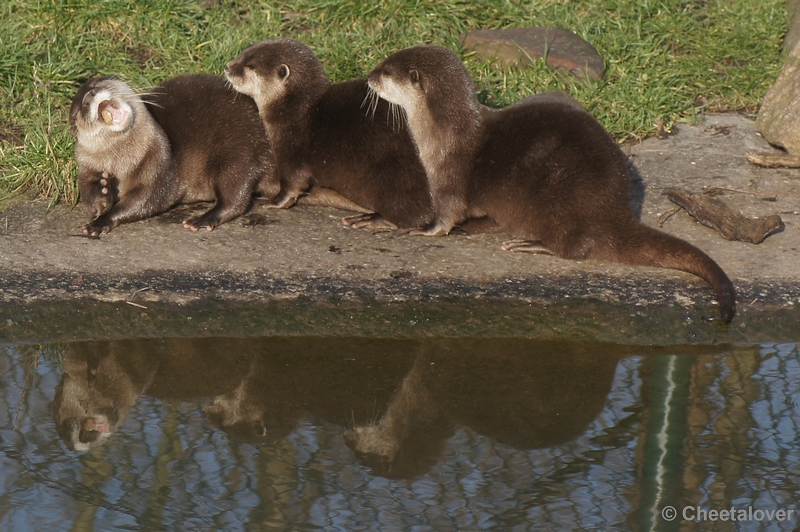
[563,49]
[779,117]
[793,34]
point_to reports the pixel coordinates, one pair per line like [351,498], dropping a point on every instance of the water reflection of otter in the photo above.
[346,381]
[101,381]
[519,392]
[527,394]
[262,387]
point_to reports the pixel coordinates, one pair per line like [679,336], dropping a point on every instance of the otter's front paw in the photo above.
[99,198]
[208,220]
[101,225]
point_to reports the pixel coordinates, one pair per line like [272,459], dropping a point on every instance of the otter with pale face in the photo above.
[122,153]
[190,140]
[544,169]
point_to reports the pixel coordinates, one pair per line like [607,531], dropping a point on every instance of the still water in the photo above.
[370,434]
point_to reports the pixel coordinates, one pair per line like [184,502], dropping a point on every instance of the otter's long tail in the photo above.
[651,247]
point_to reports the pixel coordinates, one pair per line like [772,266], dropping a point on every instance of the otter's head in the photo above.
[246,416]
[272,71]
[423,78]
[102,107]
[97,390]
[84,416]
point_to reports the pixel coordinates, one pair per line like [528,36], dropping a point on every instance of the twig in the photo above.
[666,216]
[713,191]
[773,160]
[133,295]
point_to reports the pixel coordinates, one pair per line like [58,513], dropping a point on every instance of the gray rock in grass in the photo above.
[562,49]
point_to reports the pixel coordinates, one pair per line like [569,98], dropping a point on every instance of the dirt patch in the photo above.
[11,134]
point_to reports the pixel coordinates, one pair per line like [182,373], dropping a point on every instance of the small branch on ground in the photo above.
[716,214]
[773,160]
[714,191]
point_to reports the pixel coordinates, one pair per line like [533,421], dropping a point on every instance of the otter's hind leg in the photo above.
[136,205]
[325,197]
[372,221]
[234,186]
[223,211]
[526,246]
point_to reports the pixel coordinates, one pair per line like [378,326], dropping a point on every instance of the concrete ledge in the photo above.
[304,256]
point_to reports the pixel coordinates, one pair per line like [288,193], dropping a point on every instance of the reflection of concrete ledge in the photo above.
[562,49]
[300,271]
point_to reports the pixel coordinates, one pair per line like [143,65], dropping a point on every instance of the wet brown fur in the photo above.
[220,149]
[324,135]
[192,140]
[544,169]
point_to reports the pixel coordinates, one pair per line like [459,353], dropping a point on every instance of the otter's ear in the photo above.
[414,75]
[283,71]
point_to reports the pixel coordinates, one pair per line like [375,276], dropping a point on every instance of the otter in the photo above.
[192,139]
[544,169]
[321,135]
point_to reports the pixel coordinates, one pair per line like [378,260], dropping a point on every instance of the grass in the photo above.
[663,57]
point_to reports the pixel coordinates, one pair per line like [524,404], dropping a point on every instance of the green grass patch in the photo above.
[662,57]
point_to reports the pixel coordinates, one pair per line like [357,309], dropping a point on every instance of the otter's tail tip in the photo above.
[727,311]
[727,302]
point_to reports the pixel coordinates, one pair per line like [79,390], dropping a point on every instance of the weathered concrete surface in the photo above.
[306,254]
[562,49]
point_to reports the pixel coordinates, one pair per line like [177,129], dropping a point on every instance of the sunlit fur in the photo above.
[543,168]
[333,136]
[192,139]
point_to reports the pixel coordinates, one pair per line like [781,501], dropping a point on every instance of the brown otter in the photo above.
[545,170]
[321,135]
[192,139]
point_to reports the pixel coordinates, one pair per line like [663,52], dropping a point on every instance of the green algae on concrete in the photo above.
[591,321]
